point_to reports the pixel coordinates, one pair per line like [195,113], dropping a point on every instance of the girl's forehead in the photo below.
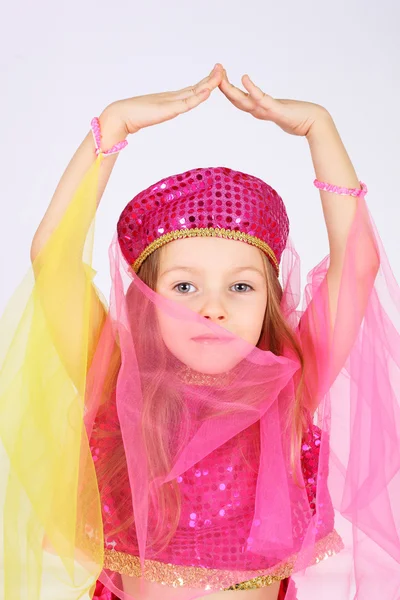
[207,252]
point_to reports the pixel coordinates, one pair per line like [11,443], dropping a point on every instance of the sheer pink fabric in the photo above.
[220,445]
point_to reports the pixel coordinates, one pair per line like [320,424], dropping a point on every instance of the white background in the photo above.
[63,62]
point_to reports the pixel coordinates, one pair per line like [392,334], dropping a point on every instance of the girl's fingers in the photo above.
[211,82]
[238,98]
[256,92]
[182,105]
[253,90]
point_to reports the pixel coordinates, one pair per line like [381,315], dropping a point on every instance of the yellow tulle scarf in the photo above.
[46,342]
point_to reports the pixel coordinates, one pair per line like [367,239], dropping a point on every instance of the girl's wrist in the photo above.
[323,123]
[113,128]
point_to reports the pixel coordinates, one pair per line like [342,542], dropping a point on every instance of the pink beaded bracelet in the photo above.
[329,187]
[95,127]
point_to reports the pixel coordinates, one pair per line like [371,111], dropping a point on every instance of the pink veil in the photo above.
[352,379]
[163,469]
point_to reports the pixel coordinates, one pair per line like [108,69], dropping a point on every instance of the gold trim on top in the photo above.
[206,232]
[216,579]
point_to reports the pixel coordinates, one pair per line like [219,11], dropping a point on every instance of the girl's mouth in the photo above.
[211,339]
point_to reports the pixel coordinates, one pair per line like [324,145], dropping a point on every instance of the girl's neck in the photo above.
[191,377]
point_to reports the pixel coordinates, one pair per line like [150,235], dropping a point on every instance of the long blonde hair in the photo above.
[276,334]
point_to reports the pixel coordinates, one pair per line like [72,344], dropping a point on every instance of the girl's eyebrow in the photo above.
[179,268]
[194,270]
[248,268]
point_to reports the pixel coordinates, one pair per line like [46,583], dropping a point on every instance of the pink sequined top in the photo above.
[218,499]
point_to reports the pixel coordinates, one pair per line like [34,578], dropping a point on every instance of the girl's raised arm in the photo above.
[113,130]
[62,299]
[60,258]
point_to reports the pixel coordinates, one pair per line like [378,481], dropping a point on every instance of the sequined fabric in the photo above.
[218,499]
[217,579]
[215,201]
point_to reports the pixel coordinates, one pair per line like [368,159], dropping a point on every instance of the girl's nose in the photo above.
[214,310]
[218,318]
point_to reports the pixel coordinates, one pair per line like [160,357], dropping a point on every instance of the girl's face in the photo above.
[223,281]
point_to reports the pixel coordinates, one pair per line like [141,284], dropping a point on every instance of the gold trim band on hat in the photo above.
[206,232]
[216,579]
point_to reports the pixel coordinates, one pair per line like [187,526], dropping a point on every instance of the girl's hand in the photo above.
[293,116]
[151,109]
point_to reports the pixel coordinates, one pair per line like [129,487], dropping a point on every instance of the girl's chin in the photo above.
[208,366]
[204,370]
[213,358]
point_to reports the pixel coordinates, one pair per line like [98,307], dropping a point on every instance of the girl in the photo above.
[200,421]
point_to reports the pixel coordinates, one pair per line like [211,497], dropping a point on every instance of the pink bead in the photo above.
[95,127]
[342,191]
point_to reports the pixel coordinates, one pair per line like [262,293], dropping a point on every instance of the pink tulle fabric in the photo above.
[227,441]
[220,493]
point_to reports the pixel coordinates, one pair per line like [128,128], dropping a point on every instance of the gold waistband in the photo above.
[215,579]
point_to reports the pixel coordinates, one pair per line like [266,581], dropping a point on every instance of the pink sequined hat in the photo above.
[213,201]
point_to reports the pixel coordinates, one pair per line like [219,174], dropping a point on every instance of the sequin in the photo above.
[218,510]
[254,214]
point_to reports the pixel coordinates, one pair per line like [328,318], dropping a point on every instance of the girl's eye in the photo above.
[242,285]
[182,288]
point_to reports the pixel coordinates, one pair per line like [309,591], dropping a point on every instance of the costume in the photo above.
[173,461]
[219,499]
